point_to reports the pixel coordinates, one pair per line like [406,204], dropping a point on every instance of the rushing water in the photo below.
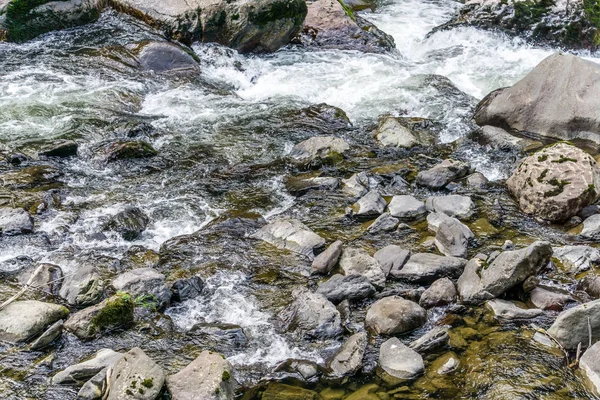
[80,84]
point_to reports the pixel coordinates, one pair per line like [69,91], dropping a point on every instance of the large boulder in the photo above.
[352,287]
[589,365]
[348,359]
[319,149]
[557,99]
[327,260]
[129,223]
[83,287]
[23,20]
[391,258]
[399,360]
[113,313]
[145,285]
[292,235]
[556,183]
[311,314]
[329,25]
[406,207]
[137,373]
[81,372]
[22,320]
[255,25]
[573,326]
[166,57]
[392,132]
[208,377]
[481,282]
[440,293]
[394,315]
[427,267]
[359,262]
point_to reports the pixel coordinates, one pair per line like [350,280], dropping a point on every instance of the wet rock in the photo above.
[591,227]
[358,262]
[507,310]
[116,312]
[435,219]
[571,326]
[452,238]
[297,186]
[482,282]
[442,174]
[391,132]
[186,288]
[391,258]
[139,257]
[351,287]
[329,26]
[357,185]
[291,234]
[440,293]
[406,207]
[81,372]
[328,259]
[325,117]
[589,365]
[449,363]
[280,391]
[33,177]
[500,139]
[530,283]
[208,377]
[22,320]
[432,340]
[15,221]
[259,25]
[304,369]
[548,299]
[129,150]
[137,373]
[26,20]
[348,359]
[476,181]
[83,287]
[588,211]
[145,285]
[48,336]
[384,223]
[129,223]
[426,267]
[162,57]
[394,315]
[44,277]
[319,149]
[311,314]
[539,105]
[15,265]
[16,158]
[461,207]
[215,335]
[62,148]
[400,361]
[371,204]
[94,388]
[576,259]
[591,285]
[556,183]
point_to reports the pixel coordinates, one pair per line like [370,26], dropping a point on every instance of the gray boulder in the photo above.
[129,223]
[452,238]
[95,387]
[576,259]
[507,310]
[23,320]
[81,372]
[392,133]
[311,314]
[432,340]
[399,360]
[348,359]
[166,57]
[292,235]
[15,221]
[427,267]
[589,365]
[384,223]
[591,227]
[145,284]
[548,299]
[319,149]
[113,313]
[137,373]
[371,204]
[44,277]
[557,99]
[571,326]
[556,183]
[186,288]
[84,287]
[406,207]
[394,315]
[328,259]
[498,138]
[435,220]
[442,174]
[208,377]
[359,262]
[49,335]
[591,285]
[351,287]
[357,185]
[391,258]
[440,293]
[461,207]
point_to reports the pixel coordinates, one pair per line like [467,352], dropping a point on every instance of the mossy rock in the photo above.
[130,150]
[113,313]
[279,391]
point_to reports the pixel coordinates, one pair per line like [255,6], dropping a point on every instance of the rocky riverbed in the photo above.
[284,200]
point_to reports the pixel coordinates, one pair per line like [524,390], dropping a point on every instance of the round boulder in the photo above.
[393,315]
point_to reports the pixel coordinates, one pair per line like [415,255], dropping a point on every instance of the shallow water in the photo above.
[214,130]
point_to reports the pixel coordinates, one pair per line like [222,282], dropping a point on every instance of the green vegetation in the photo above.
[226,376]
[147,301]
[118,311]
[531,11]
[592,13]
[563,159]
[148,382]
[543,158]
[542,175]
[559,187]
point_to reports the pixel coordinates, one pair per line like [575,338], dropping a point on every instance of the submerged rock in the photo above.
[557,99]
[137,373]
[556,182]
[61,148]
[328,25]
[129,223]
[81,372]
[394,315]
[426,267]
[351,287]
[348,359]
[400,361]
[15,221]
[146,285]
[571,326]
[186,288]
[311,314]
[291,234]
[442,174]
[461,207]
[129,150]
[507,310]
[208,377]
[22,320]
[358,262]
[165,57]
[280,391]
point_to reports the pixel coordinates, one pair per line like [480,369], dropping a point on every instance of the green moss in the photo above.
[592,13]
[348,10]
[543,157]
[118,311]
[559,187]
[542,175]
[531,11]
[226,376]
[147,301]
[129,392]
[130,150]
[563,159]
[148,382]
